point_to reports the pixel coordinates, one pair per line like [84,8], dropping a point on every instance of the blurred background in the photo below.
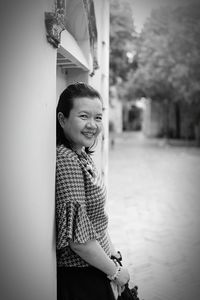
[154,68]
[154,138]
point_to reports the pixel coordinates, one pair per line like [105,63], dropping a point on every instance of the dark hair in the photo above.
[65,104]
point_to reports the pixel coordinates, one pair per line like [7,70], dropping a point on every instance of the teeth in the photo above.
[89,134]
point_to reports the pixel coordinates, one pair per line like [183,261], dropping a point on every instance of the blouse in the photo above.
[80,201]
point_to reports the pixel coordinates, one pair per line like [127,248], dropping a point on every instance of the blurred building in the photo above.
[115,110]
[45,45]
[152,125]
[132,115]
[175,120]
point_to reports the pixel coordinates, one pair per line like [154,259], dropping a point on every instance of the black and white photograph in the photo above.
[100,150]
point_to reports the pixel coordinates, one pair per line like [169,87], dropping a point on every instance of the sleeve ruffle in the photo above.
[75,226]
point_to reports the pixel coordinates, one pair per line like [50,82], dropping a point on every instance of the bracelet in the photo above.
[116,258]
[115,276]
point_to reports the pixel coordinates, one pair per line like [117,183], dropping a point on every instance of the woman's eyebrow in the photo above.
[83,111]
[88,112]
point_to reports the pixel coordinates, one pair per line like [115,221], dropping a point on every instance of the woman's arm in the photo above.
[93,254]
[112,248]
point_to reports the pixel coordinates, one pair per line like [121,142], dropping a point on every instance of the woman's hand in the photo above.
[123,277]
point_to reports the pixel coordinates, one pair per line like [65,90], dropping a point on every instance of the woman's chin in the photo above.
[89,144]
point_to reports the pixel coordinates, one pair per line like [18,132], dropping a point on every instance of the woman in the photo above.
[85,268]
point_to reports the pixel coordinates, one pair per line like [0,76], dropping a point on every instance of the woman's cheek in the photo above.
[100,127]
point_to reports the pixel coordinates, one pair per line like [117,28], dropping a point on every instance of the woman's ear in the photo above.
[61,119]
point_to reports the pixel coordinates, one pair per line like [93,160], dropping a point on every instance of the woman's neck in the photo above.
[76,149]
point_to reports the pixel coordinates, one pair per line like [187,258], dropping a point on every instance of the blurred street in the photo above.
[154,208]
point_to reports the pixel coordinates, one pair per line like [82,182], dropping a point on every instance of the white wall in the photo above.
[61,81]
[101,78]
[27,134]
[77,75]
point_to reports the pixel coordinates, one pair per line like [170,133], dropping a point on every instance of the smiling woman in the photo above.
[79,117]
[84,249]
[84,122]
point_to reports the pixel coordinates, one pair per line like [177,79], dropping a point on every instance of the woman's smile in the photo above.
[89,134]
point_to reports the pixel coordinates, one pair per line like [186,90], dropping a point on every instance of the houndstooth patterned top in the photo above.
[80,200]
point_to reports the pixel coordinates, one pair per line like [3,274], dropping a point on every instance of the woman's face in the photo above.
[84,122]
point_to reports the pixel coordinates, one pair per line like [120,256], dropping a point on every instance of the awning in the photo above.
[69,54]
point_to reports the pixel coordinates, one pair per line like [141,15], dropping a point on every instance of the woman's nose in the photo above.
[91,123]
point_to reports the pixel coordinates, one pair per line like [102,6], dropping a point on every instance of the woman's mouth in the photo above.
[89,135]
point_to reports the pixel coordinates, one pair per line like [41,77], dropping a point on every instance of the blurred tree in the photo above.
[122,35]
[169,57]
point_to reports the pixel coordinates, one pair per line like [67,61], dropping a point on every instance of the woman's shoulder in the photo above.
[65,153]
[68,164]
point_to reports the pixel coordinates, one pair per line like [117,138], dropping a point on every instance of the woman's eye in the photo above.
[99,118]
[84,117]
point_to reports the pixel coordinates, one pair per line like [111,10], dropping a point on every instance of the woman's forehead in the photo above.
[84,103]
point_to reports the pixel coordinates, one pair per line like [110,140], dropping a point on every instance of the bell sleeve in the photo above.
[72,221]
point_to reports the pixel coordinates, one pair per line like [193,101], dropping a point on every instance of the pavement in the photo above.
[154,208]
